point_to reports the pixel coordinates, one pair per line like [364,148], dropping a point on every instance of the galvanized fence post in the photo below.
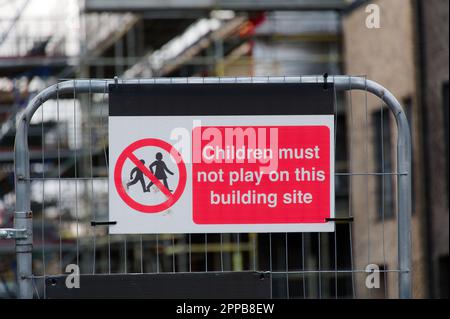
[23,218]
[403,177]
[23,215]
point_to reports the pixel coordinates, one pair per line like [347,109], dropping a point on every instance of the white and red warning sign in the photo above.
[181,164]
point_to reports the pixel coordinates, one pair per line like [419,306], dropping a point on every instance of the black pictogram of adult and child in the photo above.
[160,169]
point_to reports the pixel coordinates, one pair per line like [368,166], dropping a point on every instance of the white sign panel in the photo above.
[178,171]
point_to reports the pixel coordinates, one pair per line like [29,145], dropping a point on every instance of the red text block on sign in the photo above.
[261,174]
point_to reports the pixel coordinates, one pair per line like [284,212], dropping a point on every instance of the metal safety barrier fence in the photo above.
[61,176]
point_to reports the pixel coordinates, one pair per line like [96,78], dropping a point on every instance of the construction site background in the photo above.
[44,42]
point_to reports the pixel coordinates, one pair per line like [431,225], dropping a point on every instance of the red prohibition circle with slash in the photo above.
[128,154]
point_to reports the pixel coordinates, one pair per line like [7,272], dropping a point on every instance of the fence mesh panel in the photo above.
[68,148]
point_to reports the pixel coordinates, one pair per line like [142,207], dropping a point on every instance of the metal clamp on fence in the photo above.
[13,233]
[102,223]
[16,233]
[341,220]
[325,81]
[23,215]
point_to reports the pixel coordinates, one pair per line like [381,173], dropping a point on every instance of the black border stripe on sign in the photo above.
[220,99]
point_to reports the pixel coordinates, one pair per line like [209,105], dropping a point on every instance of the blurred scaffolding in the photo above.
[43,44]
[141,39]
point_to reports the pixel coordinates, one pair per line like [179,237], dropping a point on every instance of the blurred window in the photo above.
[443,277]
[408,107]
[445,113]
[383,163]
